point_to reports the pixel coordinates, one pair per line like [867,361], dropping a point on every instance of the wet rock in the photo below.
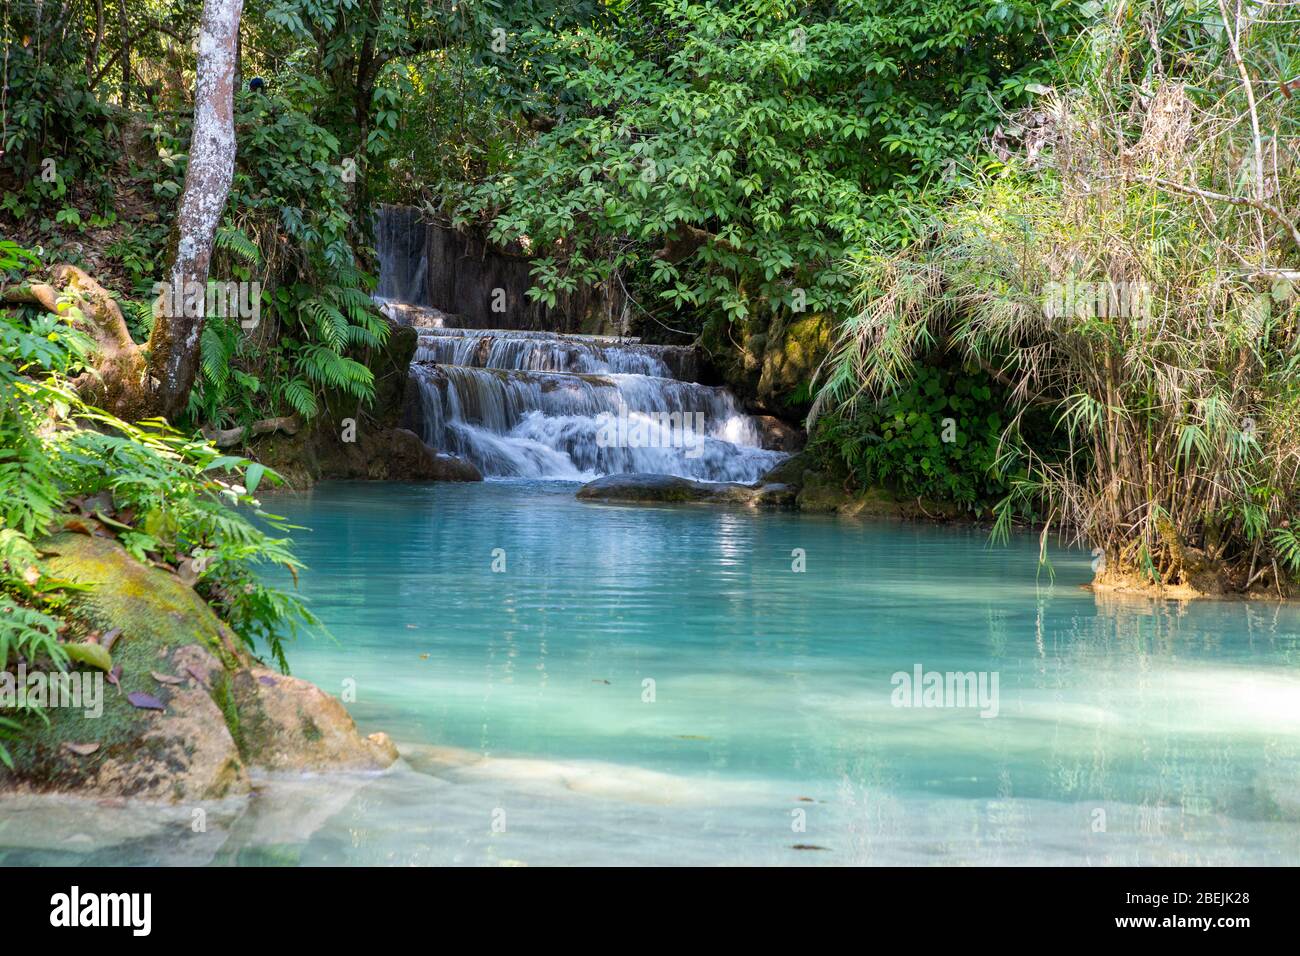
[217,717]
[285,723]
[788,472]
[420,316]
[778,435]
[823,493]
[669,489]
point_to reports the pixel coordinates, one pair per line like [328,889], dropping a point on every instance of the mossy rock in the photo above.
[791,354]
[172,647]
[823,493]
[288,724]
[669,489]
[789,472]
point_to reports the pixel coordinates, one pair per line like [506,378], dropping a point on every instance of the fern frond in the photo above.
[234,241]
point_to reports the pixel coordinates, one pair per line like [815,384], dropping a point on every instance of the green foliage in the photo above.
[1177,410]
[727,155]
[168,498]
[939,438]
[56,132]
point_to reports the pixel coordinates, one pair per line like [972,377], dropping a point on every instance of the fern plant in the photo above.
[177,499]
[287,370]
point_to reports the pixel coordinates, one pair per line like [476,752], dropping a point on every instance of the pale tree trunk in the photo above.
[174,344]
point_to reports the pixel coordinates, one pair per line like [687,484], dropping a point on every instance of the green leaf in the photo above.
[92,654]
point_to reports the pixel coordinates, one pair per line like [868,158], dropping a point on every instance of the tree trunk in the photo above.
[126,54]
[92,58]
[174,344]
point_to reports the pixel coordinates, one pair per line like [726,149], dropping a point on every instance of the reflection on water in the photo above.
[657,685]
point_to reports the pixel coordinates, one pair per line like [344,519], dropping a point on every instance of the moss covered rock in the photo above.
[285,723]
[176,725]
[791,353]
[770,365]
[668,489]
[820,492]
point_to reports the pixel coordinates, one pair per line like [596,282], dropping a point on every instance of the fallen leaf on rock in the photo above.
[110,638]
[166,678]
[268,681]
[143,701]
[81,750]
[197,675]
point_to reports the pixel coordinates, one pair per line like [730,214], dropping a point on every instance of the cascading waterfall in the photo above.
[550,352]
[544,405]
[400,244]
[550,405]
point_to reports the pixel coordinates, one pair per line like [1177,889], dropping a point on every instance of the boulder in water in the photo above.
[221,712]
[285,723]
[673,490]
[789,472]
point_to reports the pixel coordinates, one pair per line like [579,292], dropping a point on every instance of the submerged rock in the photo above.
[221,713]
[671,489]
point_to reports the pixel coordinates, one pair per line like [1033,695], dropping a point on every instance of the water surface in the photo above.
[645,685]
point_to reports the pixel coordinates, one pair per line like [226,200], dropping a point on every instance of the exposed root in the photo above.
[119,382]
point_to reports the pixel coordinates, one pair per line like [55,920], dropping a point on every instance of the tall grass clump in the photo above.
[1128,263]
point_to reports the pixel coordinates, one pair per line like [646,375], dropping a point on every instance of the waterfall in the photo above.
[544,405]
[401,245]
[550,352]
[532,404]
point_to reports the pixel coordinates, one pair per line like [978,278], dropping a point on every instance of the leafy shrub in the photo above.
[938,437]
[167,498]
[1180,456]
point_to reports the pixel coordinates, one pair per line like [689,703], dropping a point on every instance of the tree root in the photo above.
[228,437]
[119,381]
